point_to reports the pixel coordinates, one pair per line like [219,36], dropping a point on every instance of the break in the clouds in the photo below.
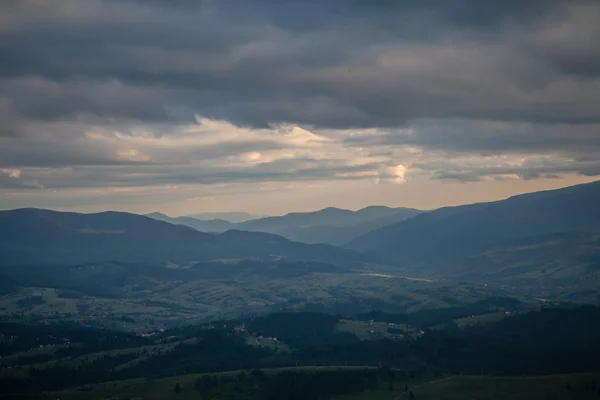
[225,96]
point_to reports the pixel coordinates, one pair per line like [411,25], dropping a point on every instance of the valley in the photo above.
[154,304]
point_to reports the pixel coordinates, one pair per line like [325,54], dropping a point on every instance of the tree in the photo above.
[391,387]
[206,383]
[177,388]
[406,387]
[259,374]
[411,395]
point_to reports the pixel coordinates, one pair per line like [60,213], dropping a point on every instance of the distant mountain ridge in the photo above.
[330,225]
[332,216]
[234,217]
[44,237]
[209,226]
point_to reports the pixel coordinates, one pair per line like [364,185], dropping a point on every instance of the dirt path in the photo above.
[421,385]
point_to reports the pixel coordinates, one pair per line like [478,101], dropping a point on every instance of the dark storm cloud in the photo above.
[260,62]
[466,76]
[308,14]
[488,138]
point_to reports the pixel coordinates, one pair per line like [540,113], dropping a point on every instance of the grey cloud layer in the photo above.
[449,77]
[383,63]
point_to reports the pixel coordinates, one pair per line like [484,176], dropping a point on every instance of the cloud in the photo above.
[205,153]
[394,173]
[334,64]
[12,173]
[11,178]
[472,150]
[132,94]
[488,137]
[478,168]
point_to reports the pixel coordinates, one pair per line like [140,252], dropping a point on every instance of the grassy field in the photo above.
[141,354]
[552,387]
[272,343]
[365,330]
[167,303]
[159,389]
[480,319]
[50,349]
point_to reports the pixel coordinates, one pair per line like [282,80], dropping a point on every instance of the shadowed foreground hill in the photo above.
[44,237]
[440,239]
[547,342]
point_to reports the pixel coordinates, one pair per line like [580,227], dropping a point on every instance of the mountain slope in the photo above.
[213,225]
[7,284]
[330,225]
[560,256]
[439,239]
[43,237]
[234,217]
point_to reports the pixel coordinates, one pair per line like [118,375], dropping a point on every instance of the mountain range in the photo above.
[108,254]
[543,239]
[235,217]
[208,225]
[331,225]
[472,239]
[44,237]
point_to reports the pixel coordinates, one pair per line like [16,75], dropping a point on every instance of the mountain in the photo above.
[44,237]
[213,225]
[7,284]
[116,255]
[331,225]
[235,217]
[568,258]
[444,240]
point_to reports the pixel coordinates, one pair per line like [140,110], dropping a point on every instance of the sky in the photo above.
[273,106]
